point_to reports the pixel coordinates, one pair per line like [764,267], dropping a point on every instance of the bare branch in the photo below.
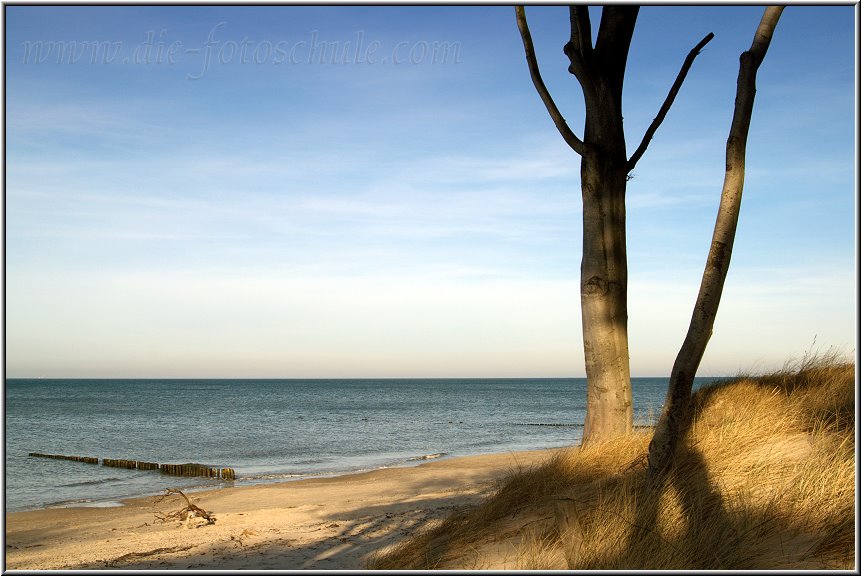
[570,138]
[674,90]
[616,27]
[762,38]
[613,42]
[579,48]
[584,29]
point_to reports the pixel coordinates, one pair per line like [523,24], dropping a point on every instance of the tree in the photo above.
[604,169]
[676,415]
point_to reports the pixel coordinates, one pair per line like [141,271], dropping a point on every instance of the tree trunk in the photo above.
[604,277]
[604,169]
[603,176]
[676,416]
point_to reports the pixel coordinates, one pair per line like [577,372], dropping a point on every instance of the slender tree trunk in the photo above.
[676,416]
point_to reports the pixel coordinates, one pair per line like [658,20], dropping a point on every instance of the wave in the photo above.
[90,482]
[428,456]
[84,502]
[271,476]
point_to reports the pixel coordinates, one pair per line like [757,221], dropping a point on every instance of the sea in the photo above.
[274,430]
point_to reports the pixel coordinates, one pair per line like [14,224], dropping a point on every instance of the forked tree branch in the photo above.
[662,113]
[570,138]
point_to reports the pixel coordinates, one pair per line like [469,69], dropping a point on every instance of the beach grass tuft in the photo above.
[765,479]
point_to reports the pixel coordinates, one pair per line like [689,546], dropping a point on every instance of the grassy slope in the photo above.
[765,480]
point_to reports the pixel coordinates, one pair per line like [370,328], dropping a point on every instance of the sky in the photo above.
[291,192]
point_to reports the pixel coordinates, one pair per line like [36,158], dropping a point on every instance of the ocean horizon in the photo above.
[271,430]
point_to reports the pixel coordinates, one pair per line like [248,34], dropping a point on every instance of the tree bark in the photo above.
[604,300]
[604,272]
[676,416]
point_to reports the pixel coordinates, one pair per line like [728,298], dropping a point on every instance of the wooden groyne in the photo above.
[86,459]
[191,469]
[130,464]
[188,469]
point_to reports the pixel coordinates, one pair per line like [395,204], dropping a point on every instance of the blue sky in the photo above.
[379,192]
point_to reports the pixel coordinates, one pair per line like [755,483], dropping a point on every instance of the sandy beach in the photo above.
[318,523]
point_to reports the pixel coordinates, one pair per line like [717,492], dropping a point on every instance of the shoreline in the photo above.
[246,481]
[323,522]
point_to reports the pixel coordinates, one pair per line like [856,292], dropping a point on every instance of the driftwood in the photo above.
[186,514]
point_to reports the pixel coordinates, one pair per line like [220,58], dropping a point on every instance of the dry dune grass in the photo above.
[764,480]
